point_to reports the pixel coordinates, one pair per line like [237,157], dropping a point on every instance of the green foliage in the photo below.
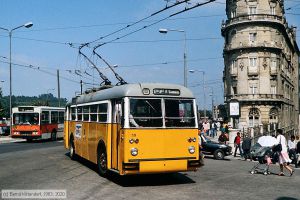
[41,100]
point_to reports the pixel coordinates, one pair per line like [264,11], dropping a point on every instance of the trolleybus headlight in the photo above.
[192,149]
[192,139]
[134,151]
[131,141]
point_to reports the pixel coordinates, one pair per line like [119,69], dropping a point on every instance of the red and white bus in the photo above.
[37,122]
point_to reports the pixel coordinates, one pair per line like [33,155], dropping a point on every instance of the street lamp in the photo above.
[165,31]
[26,25]
[212,101]
[203,86]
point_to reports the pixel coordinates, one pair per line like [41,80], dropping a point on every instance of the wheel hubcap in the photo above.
[220,154]
[102,161]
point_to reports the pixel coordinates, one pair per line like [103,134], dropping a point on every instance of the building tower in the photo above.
[261,65]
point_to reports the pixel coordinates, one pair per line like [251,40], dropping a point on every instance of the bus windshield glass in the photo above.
[145,113]
[25,118]
[179,113]
[148,113]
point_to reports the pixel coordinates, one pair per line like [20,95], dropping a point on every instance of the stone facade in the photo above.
[261,64]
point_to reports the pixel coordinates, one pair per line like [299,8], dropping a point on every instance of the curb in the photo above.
[4,140]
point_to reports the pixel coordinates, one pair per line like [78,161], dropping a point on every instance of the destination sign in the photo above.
[23,109]
[163,91]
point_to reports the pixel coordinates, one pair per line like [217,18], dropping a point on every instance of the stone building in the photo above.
[261,65]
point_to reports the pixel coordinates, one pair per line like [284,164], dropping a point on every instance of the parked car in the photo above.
[218,150]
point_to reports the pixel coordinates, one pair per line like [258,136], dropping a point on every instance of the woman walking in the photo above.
[283,155]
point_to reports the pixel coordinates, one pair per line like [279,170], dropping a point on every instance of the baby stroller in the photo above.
[262,152]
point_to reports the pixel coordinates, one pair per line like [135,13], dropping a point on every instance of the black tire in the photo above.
[72,149]
[102,162]
[53,136]
[29,140]
[219,154]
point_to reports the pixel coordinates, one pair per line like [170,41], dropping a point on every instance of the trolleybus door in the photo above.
[116,131]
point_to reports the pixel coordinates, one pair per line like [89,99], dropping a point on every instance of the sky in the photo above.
[140,56]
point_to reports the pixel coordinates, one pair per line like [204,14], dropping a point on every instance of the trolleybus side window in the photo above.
[146,113]
[61,117]
[179,113]
[86,113]
[54,117]
[73,113]
[79,113]
[93,111]
[45,117]
[102,112]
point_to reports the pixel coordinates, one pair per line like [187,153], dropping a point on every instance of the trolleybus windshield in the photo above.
[149,113]
[25,118]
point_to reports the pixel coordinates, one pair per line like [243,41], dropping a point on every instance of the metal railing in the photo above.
[254,17]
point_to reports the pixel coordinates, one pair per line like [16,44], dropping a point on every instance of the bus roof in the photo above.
[35,108]
[150,90]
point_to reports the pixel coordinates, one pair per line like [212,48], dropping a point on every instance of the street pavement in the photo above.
[46,165]
[8,139]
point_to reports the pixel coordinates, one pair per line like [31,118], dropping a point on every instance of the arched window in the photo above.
[254,117]
[273,116]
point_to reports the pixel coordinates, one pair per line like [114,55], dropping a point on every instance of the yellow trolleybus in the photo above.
[135,129]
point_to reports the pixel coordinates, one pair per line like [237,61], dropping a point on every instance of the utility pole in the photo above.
[81,86]
[58,88]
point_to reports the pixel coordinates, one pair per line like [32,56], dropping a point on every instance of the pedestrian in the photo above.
[283,154]
[237,144]
[222,138]
[213,129]
[218,126]
[246,146]
[298,149]
[292,150]
[206,127]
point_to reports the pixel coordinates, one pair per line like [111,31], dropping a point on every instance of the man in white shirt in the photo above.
[292,150]
[206,127]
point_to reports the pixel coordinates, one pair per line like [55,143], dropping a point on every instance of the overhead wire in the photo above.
[137,22]
[152,24]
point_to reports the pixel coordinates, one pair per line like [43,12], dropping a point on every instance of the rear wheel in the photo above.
[29,140]
[72,149]
[102,162]
[219,154]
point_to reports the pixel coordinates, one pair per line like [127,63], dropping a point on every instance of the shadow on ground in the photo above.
[140,179]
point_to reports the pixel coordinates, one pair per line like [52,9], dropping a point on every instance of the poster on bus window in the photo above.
[78,129]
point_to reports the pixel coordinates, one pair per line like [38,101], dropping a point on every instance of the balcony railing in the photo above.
[250,97]
[243,45]
[254,17]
